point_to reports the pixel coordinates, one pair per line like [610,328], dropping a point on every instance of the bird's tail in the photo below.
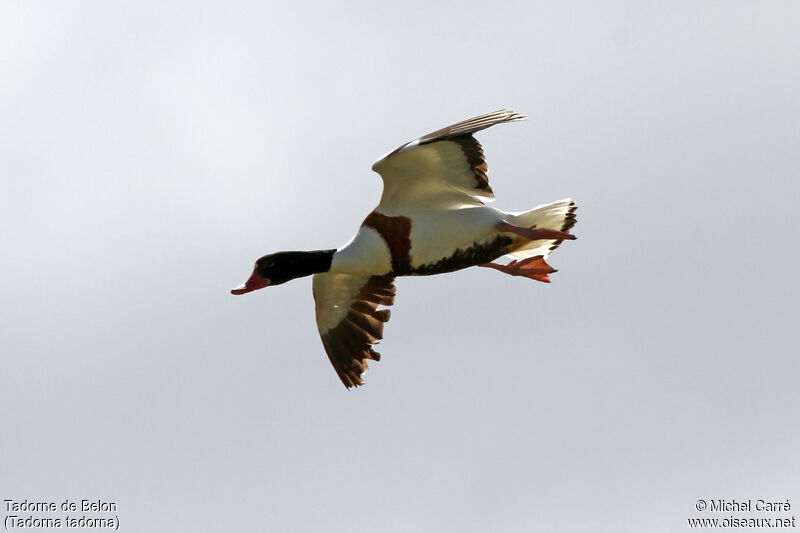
[559,216]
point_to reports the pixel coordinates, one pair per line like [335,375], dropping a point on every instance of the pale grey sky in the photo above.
[150,151]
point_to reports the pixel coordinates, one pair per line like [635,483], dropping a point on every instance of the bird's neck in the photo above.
[312,262]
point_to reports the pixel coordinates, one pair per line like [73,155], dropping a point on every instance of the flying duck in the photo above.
[431,219]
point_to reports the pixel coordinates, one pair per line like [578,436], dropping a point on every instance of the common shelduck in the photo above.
[431,219]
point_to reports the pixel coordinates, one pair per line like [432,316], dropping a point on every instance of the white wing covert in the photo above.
[444,169]
[349,320]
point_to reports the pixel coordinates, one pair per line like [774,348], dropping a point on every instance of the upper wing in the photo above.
[440,170]
[349,320]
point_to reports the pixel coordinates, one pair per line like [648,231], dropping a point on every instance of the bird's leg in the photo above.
[534,234]
[531,268]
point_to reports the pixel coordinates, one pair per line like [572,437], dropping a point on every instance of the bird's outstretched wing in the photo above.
[444,169]
[349,320]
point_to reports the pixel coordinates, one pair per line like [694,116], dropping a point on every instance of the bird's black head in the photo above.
[280,267]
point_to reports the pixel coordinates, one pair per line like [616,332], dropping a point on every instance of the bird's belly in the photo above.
[446,241]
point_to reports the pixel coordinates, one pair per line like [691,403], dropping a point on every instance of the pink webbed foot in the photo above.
[535,234]
[531,268]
